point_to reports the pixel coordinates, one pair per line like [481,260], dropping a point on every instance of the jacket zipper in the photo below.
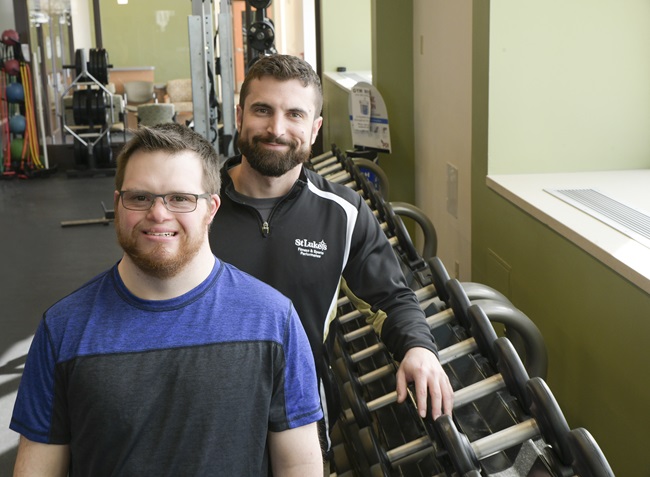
[266,225]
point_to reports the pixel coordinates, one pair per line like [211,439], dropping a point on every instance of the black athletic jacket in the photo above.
[315,234]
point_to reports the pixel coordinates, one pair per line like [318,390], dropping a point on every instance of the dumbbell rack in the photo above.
[393,439]
[93,114]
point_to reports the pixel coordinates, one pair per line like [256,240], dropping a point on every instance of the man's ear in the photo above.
[315,127]
[215,203]
[240,117]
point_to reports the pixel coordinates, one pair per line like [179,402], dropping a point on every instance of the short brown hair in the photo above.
[172,138]
[283,68]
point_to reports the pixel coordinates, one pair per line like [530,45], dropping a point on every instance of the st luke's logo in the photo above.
[311,248]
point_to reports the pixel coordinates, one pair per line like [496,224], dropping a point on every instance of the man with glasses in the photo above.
[172,362]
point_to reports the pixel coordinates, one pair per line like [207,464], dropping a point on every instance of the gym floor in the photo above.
[42,262]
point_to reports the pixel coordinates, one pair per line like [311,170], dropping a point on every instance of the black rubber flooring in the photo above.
[40,262]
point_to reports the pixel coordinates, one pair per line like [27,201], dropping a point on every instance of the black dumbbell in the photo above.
[435,320]
[425,297]
[320,158]
[459,303]
[438,319]
[500,311]
[482,339]
[547,421]
[503,355]
[480,327]
[383,460]
[326,163]
[341,458]
[512,376]
[588,458]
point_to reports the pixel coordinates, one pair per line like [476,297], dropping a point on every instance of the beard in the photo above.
[158,261]
[272,163]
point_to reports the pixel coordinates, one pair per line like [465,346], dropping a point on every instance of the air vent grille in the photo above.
[628,220]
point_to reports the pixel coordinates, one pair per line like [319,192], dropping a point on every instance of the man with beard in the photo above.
[172,362]
[289,227]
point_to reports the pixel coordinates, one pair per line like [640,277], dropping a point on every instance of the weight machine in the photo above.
[93,114]
[213,119]
[214,115]
[260,34]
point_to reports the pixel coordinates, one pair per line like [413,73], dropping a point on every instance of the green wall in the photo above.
[391,44]
[569,85]
[336,125]
[345,35]
[345,42]
[126,28]
[392,75]
[594,322]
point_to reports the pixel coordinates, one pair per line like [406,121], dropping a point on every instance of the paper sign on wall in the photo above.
[360,108]
[368,118]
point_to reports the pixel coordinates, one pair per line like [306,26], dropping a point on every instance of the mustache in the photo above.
[274,139]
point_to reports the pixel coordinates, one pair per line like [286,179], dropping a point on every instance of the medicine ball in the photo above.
[10,37]
[17,148]
[15,93]
[11,67]
[17,124]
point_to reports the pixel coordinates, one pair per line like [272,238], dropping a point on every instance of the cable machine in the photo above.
[214,113]
[214,117]
[260,32]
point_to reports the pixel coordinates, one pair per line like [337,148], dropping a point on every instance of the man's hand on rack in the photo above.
[421,367]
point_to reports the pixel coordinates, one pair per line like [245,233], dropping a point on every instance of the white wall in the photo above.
[442,40]
[81,22]
[7,21]
[287,18]
[569,85]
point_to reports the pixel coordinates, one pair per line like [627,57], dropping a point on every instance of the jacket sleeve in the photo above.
[374,275]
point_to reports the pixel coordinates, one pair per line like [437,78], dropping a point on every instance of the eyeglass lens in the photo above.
[176,202]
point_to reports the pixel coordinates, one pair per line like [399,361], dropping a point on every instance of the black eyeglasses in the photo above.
[178,202]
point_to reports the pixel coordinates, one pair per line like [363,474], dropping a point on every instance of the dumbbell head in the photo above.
[482,331]
[357,404]
[403,238]
[513,371]
[374,452]
[550,419]
[353,391]
[457,445]
[341,369]
[341,458]
[459,302]
[588,458]
[439,276]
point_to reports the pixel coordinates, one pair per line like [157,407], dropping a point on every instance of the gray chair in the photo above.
[138,92]
[156,113]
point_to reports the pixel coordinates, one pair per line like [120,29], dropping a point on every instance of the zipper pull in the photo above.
[265,228]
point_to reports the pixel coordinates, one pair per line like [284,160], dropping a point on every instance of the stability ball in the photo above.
[15,93]
[10,37]
[11,67]
[17,124]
